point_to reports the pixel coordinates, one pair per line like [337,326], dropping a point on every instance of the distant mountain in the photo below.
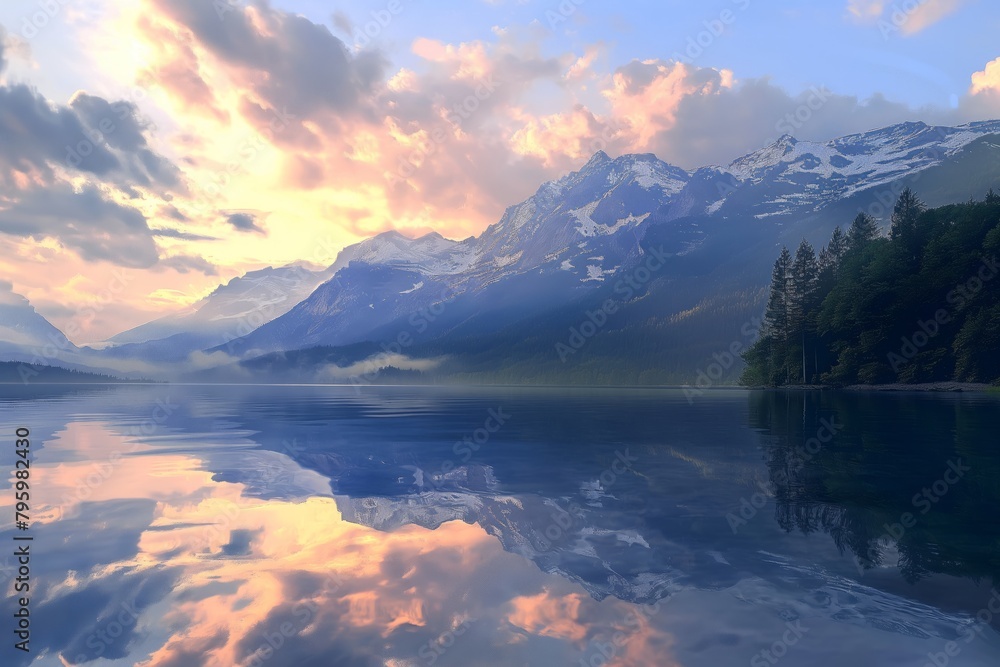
[683,257]
[24,333]
[572,228]
[231,311]
[34,350]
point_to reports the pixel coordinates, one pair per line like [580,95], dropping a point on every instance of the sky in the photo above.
[153,149]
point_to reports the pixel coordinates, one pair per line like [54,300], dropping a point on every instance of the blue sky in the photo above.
[277,114]
[797,44]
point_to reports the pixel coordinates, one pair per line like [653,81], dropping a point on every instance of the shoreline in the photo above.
[953,387]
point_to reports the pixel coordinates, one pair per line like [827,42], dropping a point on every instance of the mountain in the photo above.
[577,231]
[32,349]
[229,312]
[25,334]
[629,270]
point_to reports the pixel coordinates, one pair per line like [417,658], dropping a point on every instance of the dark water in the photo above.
[301,526]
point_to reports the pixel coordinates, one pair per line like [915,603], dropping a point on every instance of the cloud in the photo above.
[908,18]
[83,220]
[928,13]
[119,127]
[186,236]
[91,136]
[3,49]
[867,11]
[988,80]
[244,222]
[187,264]
[310,71]
[693,117]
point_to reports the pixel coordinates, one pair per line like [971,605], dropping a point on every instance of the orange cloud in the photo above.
[549,616]
[988,80]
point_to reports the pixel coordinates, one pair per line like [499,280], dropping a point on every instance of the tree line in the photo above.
[921,304]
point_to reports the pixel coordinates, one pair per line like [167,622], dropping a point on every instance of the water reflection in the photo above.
[908,481]
[322,526]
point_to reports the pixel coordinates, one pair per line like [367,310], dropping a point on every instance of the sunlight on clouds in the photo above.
[550,616]
[866,10]
[929,13]
[172,297]
[646,95]
[909,18]
[987,80]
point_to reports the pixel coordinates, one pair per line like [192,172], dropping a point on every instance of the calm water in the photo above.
[301,526]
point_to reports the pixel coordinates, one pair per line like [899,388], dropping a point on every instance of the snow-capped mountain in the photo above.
[266,293]
[582,227]
[583,232]
[431,254]
[567,218]
[232,310]
[806,176]
[24,333]
[682,256]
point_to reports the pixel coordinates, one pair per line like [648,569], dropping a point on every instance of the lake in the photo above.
[404,526]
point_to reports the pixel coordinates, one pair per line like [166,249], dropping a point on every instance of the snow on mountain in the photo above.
[431,254]
[232,309]
[603,198]
[24,331]
[806,174]
[574,234]
[583,228]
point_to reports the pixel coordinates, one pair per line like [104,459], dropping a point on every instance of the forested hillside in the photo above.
[920,305]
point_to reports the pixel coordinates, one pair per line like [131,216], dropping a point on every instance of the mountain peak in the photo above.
[598,158]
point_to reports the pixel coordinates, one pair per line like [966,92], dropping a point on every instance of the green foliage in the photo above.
[920,306]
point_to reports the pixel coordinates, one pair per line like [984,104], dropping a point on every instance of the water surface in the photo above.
[191,525]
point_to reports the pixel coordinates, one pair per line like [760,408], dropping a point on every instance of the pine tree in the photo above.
[831,255]
[863,231]
[802,303]
[776,317]
[992,198]
[904,216]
